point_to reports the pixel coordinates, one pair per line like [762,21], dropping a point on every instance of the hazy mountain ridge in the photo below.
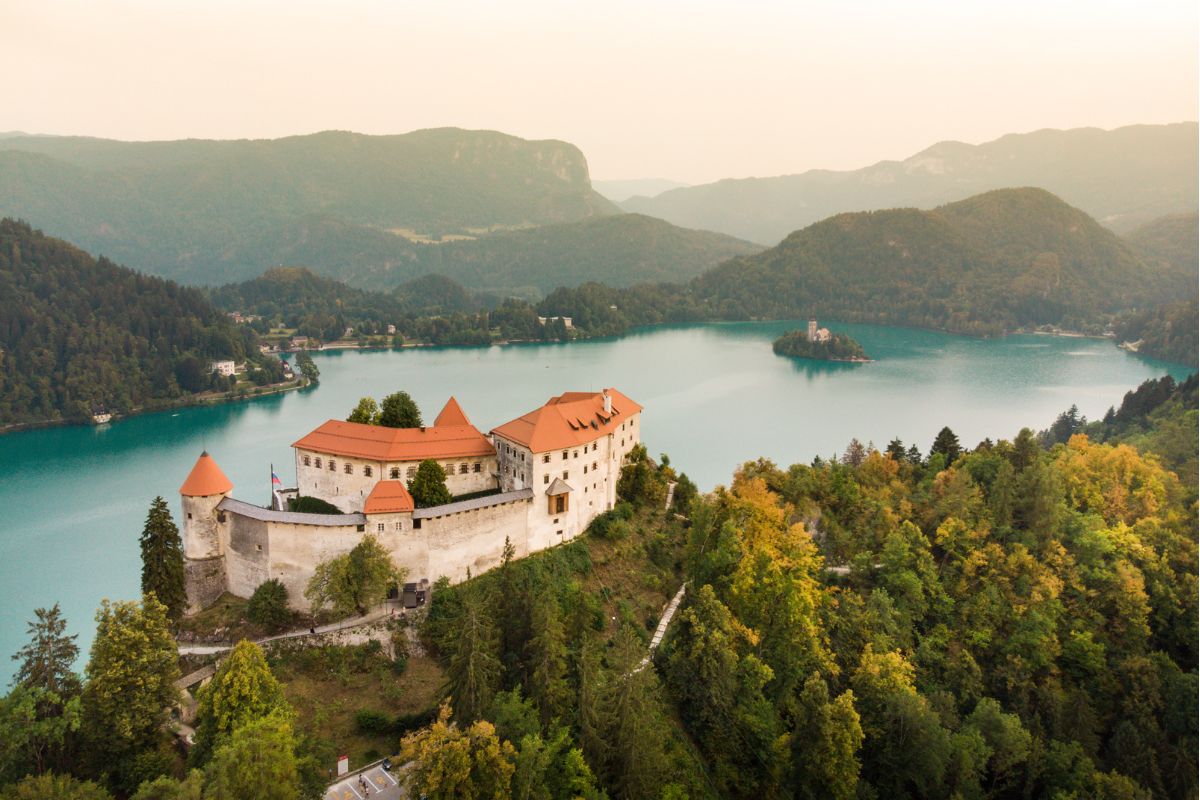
[208,211]
[1122,177]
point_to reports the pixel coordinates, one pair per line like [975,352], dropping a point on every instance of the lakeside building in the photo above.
[535,481]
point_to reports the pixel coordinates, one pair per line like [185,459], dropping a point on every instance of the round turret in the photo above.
[206,486]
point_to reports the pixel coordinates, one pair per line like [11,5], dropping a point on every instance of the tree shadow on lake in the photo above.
[814,369]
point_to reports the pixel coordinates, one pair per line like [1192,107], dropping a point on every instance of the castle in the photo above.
[536,481]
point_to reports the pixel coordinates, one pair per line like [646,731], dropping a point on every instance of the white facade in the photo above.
[345,482]
[226,368]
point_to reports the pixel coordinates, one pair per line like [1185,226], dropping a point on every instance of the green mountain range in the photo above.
[1122,177]
[485,208]
[209,211]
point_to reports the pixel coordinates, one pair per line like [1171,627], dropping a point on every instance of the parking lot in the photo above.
[378,784]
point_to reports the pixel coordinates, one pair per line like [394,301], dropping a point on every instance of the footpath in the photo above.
[376,615]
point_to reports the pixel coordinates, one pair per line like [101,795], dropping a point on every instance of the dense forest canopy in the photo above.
[1012,620]
[78,333]
[1124,177]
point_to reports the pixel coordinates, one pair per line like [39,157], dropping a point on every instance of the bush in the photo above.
[269,605]
[312,505]
[612,524]
[373,723]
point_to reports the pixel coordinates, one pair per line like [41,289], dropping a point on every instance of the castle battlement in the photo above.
[550,472]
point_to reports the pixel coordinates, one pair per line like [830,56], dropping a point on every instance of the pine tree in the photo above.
[162,560]
[47,661]
[947,444]
[475,667]
[547,661]
[825,756]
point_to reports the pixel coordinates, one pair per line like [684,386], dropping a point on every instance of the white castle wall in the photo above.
[239,546]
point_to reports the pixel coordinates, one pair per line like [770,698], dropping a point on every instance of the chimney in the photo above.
[607,402]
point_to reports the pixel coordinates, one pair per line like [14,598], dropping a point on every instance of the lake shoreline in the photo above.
[189,402]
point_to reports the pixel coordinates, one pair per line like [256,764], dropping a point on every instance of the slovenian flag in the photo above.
[275,482]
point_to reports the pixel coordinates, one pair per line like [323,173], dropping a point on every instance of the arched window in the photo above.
[394,473]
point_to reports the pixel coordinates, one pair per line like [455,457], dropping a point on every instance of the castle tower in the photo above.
[206,486]
[812,330]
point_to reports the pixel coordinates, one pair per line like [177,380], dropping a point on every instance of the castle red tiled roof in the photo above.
[452,414]
[570,419]
[388,497]
[205,479]
[377,443]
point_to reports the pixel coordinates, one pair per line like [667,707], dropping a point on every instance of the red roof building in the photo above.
[569,420]
[388,497]
[452,436]
[206,479]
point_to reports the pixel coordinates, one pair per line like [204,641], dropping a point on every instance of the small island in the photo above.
[819,343]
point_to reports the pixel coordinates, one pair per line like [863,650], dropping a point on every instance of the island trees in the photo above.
[162,559]
[355,581]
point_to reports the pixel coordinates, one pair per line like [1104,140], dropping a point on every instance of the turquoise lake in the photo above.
[75,498]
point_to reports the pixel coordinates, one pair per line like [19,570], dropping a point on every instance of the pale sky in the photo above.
[689,90]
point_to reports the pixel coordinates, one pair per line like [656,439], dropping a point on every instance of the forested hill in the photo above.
[617,251]
[213,211]
[996,262]
[1122,177]
[77,331]
[1173,240]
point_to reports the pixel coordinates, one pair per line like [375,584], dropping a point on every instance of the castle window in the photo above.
[546,459]
[559,533]
[576,455]
[462,469]
[317,463]
[349,470]
[545,479]
[594,467]
[394,473]
[332,465]
[361,528]
[564,455]
[189,515]
[585,469]
[258,547]
[566,473]
[478,467]
[367,471]
[416,524]
[522,475]
[379,527]
[410,473]
[307,461]
[399,526]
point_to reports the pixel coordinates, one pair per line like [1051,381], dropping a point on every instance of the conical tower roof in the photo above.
[452,414]
[205,479]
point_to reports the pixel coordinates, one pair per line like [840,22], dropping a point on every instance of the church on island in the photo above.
[536,481]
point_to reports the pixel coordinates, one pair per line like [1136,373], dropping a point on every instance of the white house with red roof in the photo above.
[535,481]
